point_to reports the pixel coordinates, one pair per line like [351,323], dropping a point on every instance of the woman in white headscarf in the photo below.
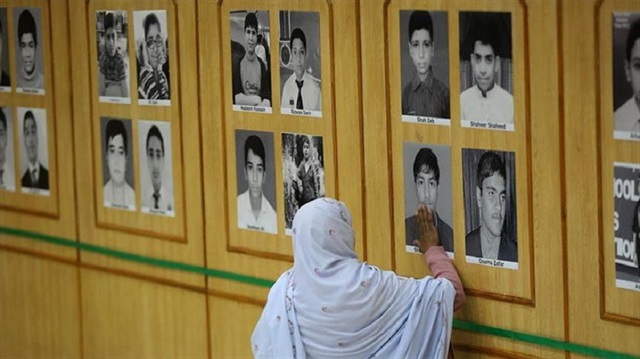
[331,305]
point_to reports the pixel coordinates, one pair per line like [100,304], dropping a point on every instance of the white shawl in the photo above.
[330,305]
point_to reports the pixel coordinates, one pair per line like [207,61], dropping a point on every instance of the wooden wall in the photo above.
[81,280]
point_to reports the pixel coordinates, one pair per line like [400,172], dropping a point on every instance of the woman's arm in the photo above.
[441,267]
[439,264]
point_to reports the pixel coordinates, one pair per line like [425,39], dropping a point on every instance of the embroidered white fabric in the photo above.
[331,305]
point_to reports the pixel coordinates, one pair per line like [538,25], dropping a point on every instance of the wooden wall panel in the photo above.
[231,338]
[39,308]
[215,162]
[52,214]
[563,289]
[126,317]
[527,300]
[593,300]
[378,200]
[176,238]
[249,252]
[474,345]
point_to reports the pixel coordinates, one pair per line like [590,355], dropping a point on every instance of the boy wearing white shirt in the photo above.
[301,91]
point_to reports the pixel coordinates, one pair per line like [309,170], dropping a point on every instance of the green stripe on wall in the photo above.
[261,282]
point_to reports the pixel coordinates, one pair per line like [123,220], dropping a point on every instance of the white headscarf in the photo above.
[330,305]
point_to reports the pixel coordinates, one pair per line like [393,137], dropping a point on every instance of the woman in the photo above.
[332,305]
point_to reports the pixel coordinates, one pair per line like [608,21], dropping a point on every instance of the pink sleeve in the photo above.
[441,267]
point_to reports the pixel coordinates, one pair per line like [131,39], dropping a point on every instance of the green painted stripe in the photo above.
[539,340]
[138,258]
[261,282]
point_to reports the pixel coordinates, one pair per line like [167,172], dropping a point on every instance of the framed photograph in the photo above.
[34,153]
[256,181]
[302,172]
[117,164]
[113,56]
[626,224]
[152,57]
[489,181]
[7,167]
[156,168]
[424,66]
[251,61]
[486,70]
[5,79]
[427,180]
[626,76]
[300,65]
[29,43]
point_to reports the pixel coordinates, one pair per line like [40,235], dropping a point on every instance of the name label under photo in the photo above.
[124,207]
[627,284]
[489,125]
[36,191]
[296,112]
[155,102]
[246,108]
[416,250]
[30,91]
[158,211]
[119,100]
[626,135]
[426,119]
[492,262]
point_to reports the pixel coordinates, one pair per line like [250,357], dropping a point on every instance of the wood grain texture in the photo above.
[471,351]
[614,302]
[379,201]
[564,288]
[39,308]
[126,317]
[177,238]
[250,252]
[54,214]
[498,295]
[590,249]
[231,328]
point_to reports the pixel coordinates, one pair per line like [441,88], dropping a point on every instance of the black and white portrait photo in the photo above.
[626,224]
[7,172]
[5,79]
[302,172]
[29,42]
[486,70]
[113,56]
[256,181]
[427,180]
[117,164]
[156,167]
[34,154]
[489,183]
[251,61]
[424,65]
[300,65]
[626,76]
[152,57]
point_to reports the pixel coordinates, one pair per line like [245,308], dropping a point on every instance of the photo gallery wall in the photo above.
[277,68]
[26,144]
[486,101]
[133,64]
[257,58]
[625,116]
